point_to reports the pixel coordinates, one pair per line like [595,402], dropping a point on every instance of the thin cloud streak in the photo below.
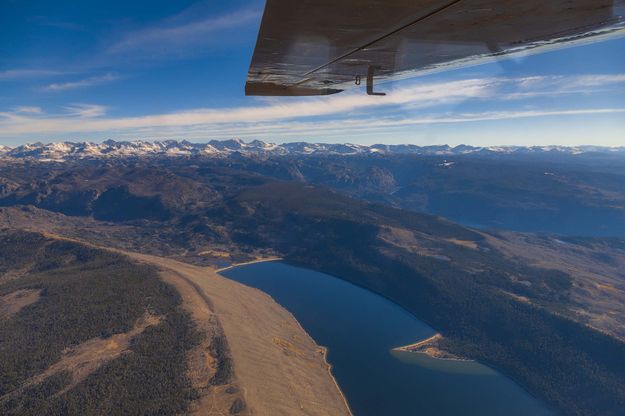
[424,95]
[86,110]
[546,86]
[354,126]
[346,112]
[596,80]
[83,83]
[17,74]
[174,37]
[28,110]
[390,131]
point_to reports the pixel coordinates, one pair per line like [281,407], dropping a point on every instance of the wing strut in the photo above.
[370,73]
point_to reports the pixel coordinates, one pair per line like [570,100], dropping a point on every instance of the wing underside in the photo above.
[319,47]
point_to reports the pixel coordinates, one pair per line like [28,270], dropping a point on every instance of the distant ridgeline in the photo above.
[563,190]
[173,148]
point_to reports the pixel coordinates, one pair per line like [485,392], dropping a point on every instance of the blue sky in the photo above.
[162,69]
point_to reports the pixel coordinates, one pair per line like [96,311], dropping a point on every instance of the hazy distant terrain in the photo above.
[571,191]
[558,193]
[547,310]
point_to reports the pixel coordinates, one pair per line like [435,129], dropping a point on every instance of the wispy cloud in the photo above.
[182,34]
[560,85]
[353,127]
[28,110]
[86,110]
[594,80]
[82,83]
[59,24]
[345,113]
[423,95]
[17,74]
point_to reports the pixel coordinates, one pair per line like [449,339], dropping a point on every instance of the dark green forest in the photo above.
[85,294]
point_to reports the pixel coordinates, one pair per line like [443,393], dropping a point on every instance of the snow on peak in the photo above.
[63,151]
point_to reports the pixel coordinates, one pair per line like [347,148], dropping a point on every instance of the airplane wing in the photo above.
[320,47]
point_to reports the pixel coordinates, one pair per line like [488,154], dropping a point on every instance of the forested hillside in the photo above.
[460,290]
[90,333]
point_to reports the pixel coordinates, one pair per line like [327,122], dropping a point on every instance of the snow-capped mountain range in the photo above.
[63,151]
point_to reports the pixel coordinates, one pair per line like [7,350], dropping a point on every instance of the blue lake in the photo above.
[361,328]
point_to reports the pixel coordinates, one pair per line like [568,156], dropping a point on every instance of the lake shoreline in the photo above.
[322,302]
[431,347]
[324,352]
[322,349]
[247,263]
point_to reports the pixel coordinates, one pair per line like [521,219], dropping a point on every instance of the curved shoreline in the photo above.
[324,350]
[247,263]
[430,347]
